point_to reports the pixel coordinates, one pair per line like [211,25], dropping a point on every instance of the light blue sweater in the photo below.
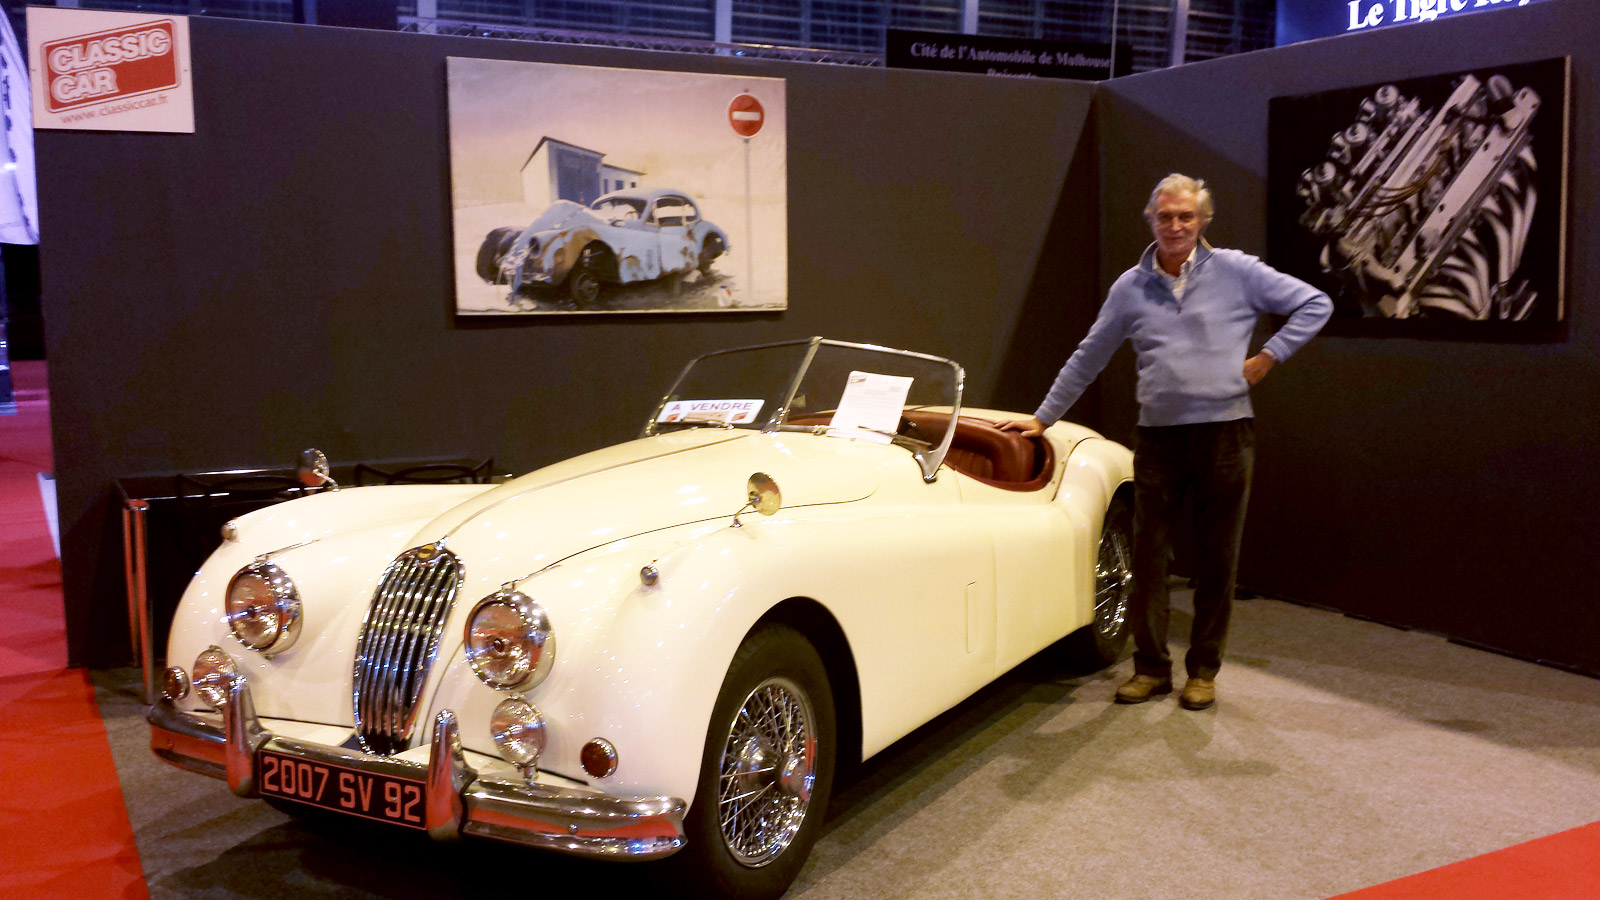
[1191,352]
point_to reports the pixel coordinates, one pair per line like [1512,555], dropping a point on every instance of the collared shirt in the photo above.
[1179,282]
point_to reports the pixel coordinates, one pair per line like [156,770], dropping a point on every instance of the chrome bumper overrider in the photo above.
[458,801]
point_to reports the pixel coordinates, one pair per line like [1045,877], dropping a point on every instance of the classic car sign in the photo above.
[110,71]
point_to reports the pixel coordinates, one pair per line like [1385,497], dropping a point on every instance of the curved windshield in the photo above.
[850,391]
[618,210]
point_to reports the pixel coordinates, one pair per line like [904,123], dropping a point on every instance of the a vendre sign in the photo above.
[109,71]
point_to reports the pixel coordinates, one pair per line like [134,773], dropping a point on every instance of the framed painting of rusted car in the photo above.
[581,189]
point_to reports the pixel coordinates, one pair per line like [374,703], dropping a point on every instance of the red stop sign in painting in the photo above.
[746,116]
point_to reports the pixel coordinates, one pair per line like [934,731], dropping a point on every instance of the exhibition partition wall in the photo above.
[1443,485]
[282,278]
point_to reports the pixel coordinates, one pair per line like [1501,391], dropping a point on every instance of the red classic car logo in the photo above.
[108,65]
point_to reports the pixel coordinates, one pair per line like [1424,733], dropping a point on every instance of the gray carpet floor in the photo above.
[1340,754]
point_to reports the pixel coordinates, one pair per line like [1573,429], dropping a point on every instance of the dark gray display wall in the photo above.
[281,278]
[1448,486]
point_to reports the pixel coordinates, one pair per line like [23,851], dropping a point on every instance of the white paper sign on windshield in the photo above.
[731,412]
[872,402]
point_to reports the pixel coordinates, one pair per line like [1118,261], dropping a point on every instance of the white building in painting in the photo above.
[557,170]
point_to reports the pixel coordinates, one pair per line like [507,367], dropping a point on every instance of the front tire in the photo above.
[493,249]
[1098,644]
[766,773]
[583,283]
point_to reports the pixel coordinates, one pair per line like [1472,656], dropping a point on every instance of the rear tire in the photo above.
[766,773]
[709,251]
[583,282]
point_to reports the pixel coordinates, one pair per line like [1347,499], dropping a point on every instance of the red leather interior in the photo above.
[979,449]
[1001,458]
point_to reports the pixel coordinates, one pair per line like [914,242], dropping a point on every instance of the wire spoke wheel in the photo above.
[767,771]
[1113,581]
[1099,641]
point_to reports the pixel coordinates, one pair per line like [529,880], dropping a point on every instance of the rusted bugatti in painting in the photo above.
[623,237]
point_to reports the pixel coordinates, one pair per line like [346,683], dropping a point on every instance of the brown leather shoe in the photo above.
[1198,693]
[1140,688]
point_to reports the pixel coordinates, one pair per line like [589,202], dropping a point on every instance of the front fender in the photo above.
[559,251]
[639,665]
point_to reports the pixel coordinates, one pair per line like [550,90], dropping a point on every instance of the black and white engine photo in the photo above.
[1427,207]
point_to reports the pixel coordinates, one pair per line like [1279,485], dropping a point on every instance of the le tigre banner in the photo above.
[110,71]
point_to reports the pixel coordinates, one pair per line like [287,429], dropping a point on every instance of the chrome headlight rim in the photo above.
[284,606]
[536,636]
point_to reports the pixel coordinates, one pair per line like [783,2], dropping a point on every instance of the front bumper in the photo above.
[458,801]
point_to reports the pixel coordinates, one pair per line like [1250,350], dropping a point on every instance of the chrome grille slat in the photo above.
[398,643]
[408,600]
[411,638]
[386,608]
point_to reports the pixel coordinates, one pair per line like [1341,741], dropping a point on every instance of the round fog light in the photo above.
[174,684]
[214,675]
[599,758]
[518,731]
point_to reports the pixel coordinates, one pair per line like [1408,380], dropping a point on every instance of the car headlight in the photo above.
[214,675]
[263,608]
[509,642]
[518,732]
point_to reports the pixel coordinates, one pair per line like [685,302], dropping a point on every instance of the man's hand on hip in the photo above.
[1256,367]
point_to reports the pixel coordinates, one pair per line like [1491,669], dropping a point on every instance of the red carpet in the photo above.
[1563,866]
[64,830]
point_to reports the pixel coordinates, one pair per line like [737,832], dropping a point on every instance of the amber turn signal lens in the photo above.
[175,684]
[598,757]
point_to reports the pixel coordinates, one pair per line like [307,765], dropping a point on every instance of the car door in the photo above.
[1036,545]
[674,216]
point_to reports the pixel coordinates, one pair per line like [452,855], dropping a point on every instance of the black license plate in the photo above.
[370,795]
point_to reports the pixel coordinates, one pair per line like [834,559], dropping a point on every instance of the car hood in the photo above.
[642,486]
[561,214]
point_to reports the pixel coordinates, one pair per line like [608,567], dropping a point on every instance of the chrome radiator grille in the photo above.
[399,639]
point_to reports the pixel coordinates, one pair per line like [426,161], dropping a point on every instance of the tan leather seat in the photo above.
[981,450]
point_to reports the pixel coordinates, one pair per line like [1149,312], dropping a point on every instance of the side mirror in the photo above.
[762,495]
[314,470]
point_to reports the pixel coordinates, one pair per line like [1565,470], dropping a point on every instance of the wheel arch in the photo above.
[817,625]
[603,259]
[1124,493]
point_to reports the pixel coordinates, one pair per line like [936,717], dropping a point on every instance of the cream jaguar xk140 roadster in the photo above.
[662,648]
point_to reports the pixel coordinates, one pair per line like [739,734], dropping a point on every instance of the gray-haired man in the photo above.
[1190,311]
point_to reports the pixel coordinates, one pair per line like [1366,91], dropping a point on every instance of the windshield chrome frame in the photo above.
[928,459]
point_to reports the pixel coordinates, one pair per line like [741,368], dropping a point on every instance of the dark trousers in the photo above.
[1211,462]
